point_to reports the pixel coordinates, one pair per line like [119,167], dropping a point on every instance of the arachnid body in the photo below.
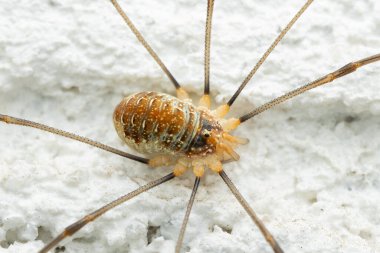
[316,154]
[174,131]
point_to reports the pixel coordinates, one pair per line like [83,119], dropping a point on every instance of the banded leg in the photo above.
[181,93]
[76,226]
[205,100]
[27,123]
[345,70]
[187,215]
[226,107]
[265,232]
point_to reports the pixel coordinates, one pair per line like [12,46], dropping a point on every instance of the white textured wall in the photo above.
[311,170]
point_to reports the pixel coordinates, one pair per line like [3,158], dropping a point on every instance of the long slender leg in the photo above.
[76,226]
[23,122]
[267,235]
[269,50]
[180,91]
[345,70]
[205,100]
[186,218]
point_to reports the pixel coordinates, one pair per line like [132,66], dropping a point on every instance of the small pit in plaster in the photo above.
[44,235]
[225,228]
[153,233]
[60,249]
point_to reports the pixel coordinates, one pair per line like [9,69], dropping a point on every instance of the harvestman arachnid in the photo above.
[222,146]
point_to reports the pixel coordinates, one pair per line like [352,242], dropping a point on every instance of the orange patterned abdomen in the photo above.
[155,123]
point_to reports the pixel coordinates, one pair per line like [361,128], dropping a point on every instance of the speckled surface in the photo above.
[311,169]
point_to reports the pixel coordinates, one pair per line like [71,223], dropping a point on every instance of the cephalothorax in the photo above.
[173,131]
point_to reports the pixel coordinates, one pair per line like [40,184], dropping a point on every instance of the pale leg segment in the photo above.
[205,101]
[227,124]
[182,93]
[197,165]
[160,160]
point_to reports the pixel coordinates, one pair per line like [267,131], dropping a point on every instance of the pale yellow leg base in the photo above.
[216,166]
[197,165]
[180,168]
[230,124]
[221,111]
[160,160]
[198,170]
[205,101]
[182,94]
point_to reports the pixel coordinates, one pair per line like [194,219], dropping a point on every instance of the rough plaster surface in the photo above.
[311,170]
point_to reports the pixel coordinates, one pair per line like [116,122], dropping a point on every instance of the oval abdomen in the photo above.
[156,123]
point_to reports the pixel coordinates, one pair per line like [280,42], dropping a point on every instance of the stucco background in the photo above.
[311,169]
